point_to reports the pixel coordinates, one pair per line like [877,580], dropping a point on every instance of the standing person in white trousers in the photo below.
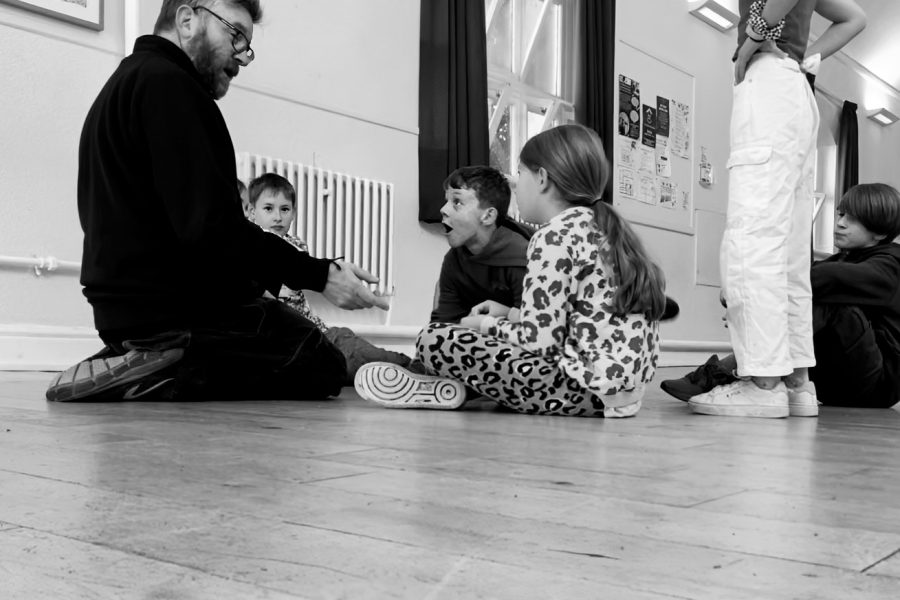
[765,255]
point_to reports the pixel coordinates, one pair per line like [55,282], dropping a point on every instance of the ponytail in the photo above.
[640,282]
[575,162]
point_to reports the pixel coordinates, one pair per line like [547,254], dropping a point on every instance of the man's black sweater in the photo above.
[165,239]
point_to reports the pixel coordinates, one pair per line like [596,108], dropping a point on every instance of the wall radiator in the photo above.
[337,214]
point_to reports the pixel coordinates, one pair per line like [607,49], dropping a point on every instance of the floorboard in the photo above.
[343,499]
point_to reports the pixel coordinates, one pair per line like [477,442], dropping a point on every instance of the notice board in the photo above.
[653,153]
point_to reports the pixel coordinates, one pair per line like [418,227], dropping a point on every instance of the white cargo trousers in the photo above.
[765,254]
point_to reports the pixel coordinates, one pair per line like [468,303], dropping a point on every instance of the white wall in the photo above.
[49,80]
[879,147]
[665,29]
[335,83]
[51,73]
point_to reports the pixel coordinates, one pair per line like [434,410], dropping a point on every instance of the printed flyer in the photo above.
[629,107]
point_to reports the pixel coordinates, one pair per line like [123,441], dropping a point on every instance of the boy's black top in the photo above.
[868,278]
[496,273]
[165,239]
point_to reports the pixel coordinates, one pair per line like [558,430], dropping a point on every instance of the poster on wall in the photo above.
[663,157]
[629,154]
[647,190]
[662,116]
[681,129]
[647,161]
[649,129]
[629,107]
[663,154]
[626,182]
[668,195]
[86,13]
[654,182]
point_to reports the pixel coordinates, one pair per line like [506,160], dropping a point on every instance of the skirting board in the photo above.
[47,348]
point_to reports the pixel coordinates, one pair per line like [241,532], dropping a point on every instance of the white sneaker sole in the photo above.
[751,410]
[394,387]
[803,410]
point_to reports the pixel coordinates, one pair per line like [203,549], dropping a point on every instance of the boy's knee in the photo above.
[839,317]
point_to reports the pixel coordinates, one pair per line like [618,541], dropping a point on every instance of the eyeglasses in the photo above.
[239,41]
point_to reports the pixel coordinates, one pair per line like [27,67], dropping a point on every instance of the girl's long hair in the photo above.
[573,157]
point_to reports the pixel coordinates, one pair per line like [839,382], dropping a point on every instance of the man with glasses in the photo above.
[172,269]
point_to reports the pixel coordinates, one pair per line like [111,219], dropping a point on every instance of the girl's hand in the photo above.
[472,321]
[489,308]
[513,315]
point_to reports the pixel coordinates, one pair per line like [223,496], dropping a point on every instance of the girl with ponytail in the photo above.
[585,341]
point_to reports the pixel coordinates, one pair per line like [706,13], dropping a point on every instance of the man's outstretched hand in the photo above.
[346,287]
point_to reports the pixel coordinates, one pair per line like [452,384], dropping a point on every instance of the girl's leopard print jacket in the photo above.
[566,312]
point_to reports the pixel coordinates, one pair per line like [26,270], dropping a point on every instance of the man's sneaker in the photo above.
[99,379]
[151,388]
[802,401]
[395,387]
[743,398]
[706,377]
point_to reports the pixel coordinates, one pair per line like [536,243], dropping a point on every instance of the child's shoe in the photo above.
[743,398]
[395,387]
[802,401]
[703,379]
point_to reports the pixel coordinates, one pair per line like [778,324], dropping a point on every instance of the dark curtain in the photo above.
[453,111]
[596,99]
[847,152]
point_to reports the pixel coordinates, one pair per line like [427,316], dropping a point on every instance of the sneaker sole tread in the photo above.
[389,386]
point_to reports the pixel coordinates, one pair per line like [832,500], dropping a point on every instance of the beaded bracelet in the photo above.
[759,25]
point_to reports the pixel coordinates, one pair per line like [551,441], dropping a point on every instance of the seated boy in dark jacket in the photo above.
[486,260]
[856,309]
[487,256]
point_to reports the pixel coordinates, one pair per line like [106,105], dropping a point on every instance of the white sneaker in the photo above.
[743,399]
[395,387]
[802,401]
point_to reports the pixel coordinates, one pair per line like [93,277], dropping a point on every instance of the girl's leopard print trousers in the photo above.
[522,381]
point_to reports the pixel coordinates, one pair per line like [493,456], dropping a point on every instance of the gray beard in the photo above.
[201,56]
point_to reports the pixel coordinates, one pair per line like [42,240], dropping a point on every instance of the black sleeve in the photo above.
[873,282]
[193,171]
[516,279]
[449,306]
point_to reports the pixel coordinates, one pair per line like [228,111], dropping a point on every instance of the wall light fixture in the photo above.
[716,13]
[883,117]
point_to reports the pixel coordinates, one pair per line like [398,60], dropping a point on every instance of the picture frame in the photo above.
[85,13]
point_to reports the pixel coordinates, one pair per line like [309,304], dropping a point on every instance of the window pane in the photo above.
[500,145]
[542,70]
[535,121]
[500,35]
[530,16]
[492,101]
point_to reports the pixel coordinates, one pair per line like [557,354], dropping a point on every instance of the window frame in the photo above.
[507,88]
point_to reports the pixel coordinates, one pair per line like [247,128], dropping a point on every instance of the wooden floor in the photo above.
[342,499]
